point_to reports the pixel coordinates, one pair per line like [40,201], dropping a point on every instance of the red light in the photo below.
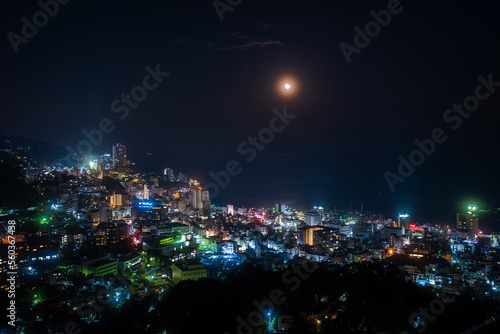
[413,227]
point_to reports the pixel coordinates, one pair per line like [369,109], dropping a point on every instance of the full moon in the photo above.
[287,86]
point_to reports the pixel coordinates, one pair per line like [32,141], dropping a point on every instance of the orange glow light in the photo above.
[287,86]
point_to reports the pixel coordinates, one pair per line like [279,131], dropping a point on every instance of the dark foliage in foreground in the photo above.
[363,297]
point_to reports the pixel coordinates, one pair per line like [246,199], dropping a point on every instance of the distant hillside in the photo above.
[14,192]
[35,150]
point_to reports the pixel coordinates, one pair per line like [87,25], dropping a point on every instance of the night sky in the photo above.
[353,120]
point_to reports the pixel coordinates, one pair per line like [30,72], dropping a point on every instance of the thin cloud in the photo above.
[250,44]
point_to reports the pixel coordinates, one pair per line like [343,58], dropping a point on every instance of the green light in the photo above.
[472,207]
[37,299]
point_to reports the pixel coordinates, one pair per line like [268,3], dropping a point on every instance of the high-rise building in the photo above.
[147,210]
[199,199]
[183,177]
[118,200]
[404,221]
[280,207]
[195,198]
[312,218]
[149,192]
[305,235]
[114,232]
[169,174]
[467,222]
[119,155]
[101,215]
[205,202]
[205,196]
[107,160]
